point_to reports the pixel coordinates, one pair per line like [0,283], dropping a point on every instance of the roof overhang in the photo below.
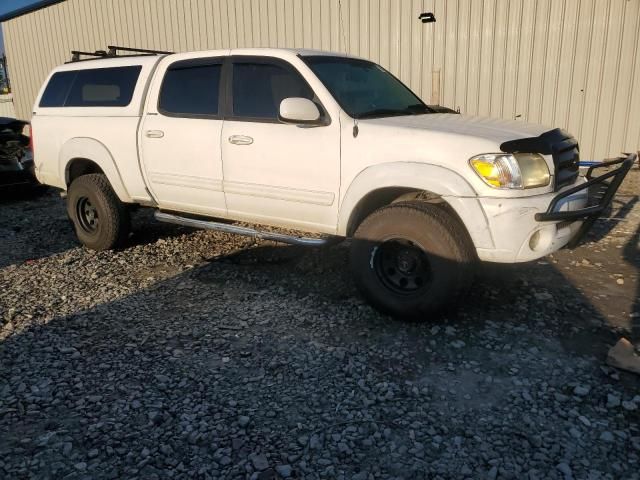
[31,7]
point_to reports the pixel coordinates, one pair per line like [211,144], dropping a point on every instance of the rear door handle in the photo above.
[154,133]
[240,140]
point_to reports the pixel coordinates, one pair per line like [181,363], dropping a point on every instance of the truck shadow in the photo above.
[257,332]
[631,255]
[620,208]
[34,227]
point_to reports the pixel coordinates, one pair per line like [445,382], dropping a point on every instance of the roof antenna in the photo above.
[344,37]
[356,129]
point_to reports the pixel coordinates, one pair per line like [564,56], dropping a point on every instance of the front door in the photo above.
[275,172]
[180,136]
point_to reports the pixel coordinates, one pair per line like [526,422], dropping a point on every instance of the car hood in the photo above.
[491,129]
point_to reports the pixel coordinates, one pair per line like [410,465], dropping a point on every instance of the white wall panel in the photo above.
[568,63]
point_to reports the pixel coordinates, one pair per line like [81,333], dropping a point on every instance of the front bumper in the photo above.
[524,229]
[601,191]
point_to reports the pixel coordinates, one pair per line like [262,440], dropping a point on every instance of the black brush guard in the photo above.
[601,191]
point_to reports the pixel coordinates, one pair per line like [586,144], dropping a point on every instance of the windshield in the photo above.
[364,89]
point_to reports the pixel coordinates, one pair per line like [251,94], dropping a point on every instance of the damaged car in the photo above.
[16,159]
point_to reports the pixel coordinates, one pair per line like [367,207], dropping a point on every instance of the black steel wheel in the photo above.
[100,219]
[412,259]
[402,266]
[87,215]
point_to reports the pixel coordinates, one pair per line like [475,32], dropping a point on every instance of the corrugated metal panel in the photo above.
[568,63]
[6,106]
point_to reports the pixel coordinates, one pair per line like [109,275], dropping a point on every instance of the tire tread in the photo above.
[448,228]
[115,219]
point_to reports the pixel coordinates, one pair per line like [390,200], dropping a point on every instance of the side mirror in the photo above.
[298,111]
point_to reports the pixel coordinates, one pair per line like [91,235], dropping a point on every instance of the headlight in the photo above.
[515,171]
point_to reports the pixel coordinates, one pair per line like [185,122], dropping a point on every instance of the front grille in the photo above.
[564,224]
[566,156]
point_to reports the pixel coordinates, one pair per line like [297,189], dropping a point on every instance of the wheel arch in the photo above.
[387,183]
[79,156]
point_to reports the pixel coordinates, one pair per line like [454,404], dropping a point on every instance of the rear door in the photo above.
[180,135]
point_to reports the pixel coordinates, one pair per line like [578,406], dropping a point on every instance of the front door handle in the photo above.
[154,133]
[240,140]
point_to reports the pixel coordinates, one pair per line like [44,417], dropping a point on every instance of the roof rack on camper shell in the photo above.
[76,55]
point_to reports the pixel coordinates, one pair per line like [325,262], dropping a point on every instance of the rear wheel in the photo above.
[412,259]
[100,219]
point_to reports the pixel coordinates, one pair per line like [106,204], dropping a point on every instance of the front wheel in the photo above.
[411,259]
[100,219]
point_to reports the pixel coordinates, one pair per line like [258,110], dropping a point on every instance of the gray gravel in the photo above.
[199,355]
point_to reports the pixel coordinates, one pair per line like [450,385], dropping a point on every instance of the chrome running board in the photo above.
[247,232]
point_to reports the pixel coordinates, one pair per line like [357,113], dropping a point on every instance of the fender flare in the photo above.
[449,185]
[97,152]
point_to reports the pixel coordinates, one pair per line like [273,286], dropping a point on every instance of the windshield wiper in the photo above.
[419,109]
[416,109]
[383,112]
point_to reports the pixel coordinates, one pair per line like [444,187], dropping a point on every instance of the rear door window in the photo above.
[95,87]
[191,88]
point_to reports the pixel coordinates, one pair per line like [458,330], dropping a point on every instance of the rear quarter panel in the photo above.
[62,134]
[111,142]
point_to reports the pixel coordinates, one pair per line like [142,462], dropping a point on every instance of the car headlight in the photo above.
[512,170]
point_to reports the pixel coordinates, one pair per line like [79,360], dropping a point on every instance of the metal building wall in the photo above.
[6,106]
[568,63]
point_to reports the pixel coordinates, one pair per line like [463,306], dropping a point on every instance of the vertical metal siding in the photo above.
[6,106]
[568,63]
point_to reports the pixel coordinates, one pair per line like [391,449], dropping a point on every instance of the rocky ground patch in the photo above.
[200,355]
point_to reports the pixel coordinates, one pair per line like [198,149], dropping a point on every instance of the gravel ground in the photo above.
[200,355]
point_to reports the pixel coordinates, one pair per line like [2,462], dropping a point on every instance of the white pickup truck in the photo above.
[315,142]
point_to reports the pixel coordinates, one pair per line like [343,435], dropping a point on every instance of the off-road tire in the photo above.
[424,227]
[114,222]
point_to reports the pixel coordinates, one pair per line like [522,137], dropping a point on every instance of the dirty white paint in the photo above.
[568,63]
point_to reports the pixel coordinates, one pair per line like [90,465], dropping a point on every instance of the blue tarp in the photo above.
[14,8]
